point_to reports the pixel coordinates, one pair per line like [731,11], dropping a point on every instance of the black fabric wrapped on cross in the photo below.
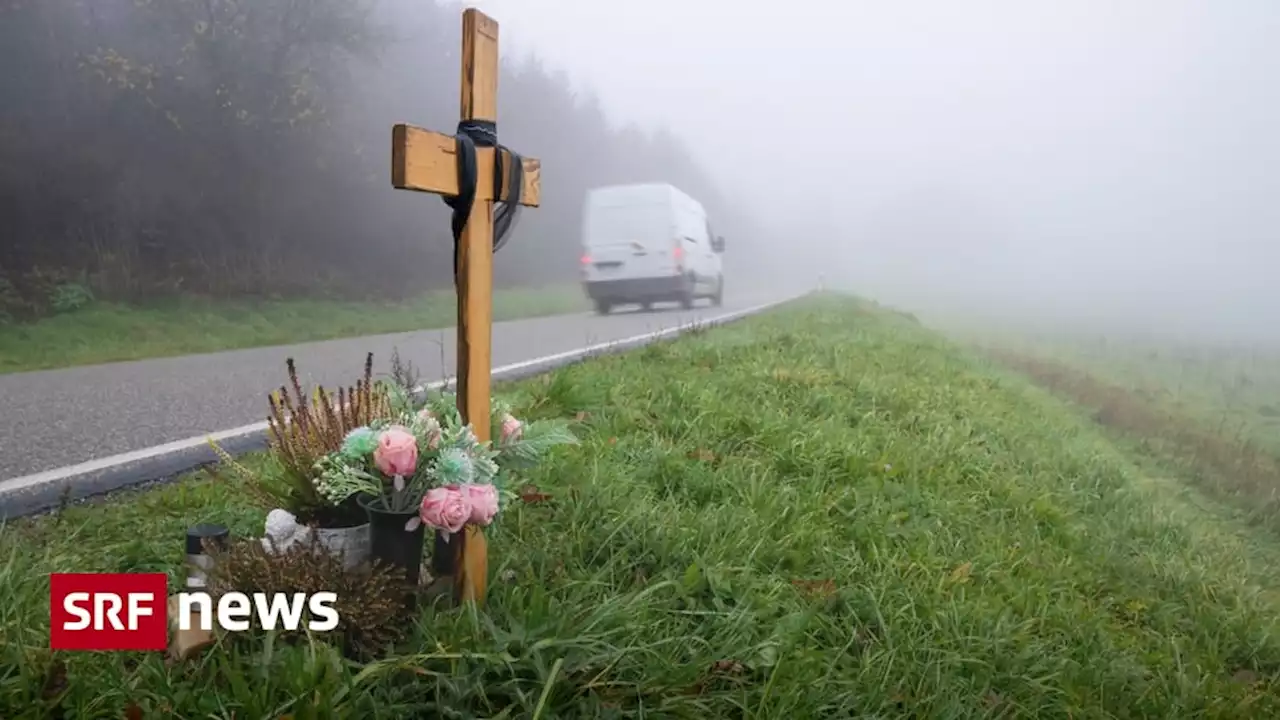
[472,134]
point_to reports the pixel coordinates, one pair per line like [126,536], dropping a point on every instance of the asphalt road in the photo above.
[54,418]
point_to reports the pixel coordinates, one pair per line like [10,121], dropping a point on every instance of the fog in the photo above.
[1075,164]
[1086,163]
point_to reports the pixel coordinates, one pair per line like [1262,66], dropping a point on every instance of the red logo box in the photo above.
[108,611]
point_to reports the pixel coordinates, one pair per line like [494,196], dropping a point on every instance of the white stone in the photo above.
[282,531]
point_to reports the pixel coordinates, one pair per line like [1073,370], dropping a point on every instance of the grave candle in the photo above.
[198,562]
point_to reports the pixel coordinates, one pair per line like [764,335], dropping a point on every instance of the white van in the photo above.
[647,244]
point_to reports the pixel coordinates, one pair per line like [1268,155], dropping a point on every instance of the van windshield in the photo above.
[613,224]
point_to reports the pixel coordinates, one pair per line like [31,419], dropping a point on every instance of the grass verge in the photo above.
[1230,466]
[106,332]
[1231,391]
[826,511]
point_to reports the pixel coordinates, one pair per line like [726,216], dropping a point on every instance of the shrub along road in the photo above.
[62,417]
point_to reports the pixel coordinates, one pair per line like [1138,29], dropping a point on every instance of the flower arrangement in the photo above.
[421,457]
[351,469]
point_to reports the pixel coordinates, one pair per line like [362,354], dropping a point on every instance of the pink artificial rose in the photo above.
[445,508]
[512,428]
[484,503]
[397,451]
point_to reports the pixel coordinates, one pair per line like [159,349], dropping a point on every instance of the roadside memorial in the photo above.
[473,172]
[392,462]
[404,459]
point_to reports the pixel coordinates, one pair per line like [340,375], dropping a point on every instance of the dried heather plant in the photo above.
[302,429]
[371,613]
[403,373]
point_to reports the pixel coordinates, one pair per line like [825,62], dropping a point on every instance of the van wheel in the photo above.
[603,307]
[689,294]
[718,298]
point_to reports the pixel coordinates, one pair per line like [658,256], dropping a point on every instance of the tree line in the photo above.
[240,148]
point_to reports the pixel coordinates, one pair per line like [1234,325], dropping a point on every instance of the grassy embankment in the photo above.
[826,511]
[104,332]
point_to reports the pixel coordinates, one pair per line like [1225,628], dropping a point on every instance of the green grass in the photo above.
[1209,415]
[105,332]
[1234,392]
[826,511]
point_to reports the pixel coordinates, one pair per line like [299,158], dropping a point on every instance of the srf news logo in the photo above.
[130,611]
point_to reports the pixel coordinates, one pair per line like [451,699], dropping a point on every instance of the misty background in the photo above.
[1091,164]
[231,148]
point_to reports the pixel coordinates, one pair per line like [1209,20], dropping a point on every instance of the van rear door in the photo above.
[633,240]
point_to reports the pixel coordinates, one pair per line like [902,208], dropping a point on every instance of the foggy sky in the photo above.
[1054,159]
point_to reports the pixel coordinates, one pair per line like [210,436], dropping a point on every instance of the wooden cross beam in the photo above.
[427,161]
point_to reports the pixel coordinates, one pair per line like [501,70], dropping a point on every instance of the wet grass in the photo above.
[825,511]
[1231,391]
[105,332]
[1230,467]
[1209,415]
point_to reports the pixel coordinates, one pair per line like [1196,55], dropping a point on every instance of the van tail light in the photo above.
[678,254]
[586,260]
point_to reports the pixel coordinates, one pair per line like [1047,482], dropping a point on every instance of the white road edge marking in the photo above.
[70,471]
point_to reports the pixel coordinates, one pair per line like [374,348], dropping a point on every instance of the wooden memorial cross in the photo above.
[428,161]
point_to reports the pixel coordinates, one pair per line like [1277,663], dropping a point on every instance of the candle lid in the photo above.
[205,531]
